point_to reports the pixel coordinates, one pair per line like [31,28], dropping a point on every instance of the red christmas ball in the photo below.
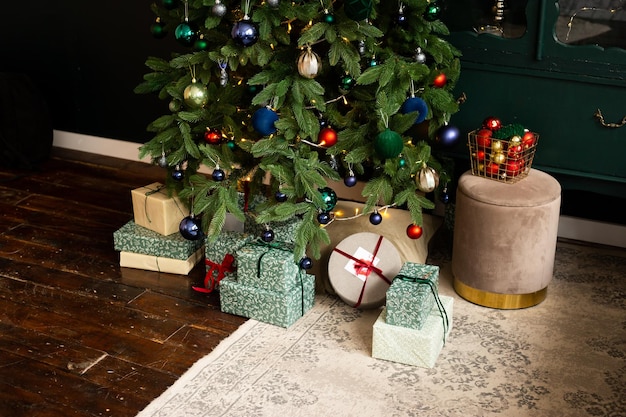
[492,169]
[483,138]
[481,155]
[414,231]
[492,123]
[327,137]
[514,167]
[213,136]
[528,140]
[440,80]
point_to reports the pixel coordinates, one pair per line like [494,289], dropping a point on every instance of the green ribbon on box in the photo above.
[156,191]
[433,289]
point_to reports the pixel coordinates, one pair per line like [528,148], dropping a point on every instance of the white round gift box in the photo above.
[361,268]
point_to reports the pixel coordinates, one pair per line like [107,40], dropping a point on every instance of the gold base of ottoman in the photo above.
[501,301]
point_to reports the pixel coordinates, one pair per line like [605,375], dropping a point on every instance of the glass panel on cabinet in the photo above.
[496,17]
[592,22]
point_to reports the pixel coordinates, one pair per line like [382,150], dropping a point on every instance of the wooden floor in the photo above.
[80,336]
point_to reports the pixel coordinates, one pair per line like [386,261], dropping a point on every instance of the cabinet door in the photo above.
[532,71]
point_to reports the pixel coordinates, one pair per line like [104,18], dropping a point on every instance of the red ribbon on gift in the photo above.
[216,272]
[365,267]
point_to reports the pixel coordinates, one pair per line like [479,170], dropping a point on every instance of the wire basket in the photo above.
[507,161]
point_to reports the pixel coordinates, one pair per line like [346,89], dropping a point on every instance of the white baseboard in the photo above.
[569,227]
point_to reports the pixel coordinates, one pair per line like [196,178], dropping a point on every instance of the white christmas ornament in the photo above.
[309,64]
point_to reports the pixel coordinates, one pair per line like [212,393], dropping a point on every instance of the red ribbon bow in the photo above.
[216,272]
[365,267]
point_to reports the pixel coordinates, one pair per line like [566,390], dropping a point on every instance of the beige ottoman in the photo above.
[505,239]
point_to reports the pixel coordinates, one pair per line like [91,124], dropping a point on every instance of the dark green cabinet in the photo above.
[524,72]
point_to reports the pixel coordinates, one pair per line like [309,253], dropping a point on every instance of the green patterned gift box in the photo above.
[284,231]
[268,267]
[273,307]
[411,346]
[228,242]
[137,239]
[412,295]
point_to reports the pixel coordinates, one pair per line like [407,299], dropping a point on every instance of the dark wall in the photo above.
[86,57]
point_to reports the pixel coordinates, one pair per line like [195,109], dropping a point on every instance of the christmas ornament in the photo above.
[346,83]
[178,174]
[190,228]
[323,217]
[158,29]
[174,106]
[401,17]
[361,47]
[514,151]
[201,44]
[169,4]
[498,158]
[401,162]
[440,80]
[162,161]
[309,64]
[376,218]
[497,145]
[388,144]
[413,104]
[329,18]
[245,32]
[280,196]
[223,74]
[414,231]
[212,136]
[218,175]
[185,34]
[329,197]
[420,56]
[513,167]
[263,121]
[444,197]
[483,138]
[357,9]
[350,181]
[267,236]
[327,137]
[273,3]
[492,169]
[427,179]
[219,9]
[195,95]
[433,11]
[447,135]
[306,263]
[528,140]
[492,123]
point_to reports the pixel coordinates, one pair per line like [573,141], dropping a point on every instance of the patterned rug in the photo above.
[564,357]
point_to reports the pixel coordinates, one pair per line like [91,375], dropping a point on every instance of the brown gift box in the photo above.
[154,209]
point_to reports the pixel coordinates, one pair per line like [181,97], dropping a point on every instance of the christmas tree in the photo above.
[278,97]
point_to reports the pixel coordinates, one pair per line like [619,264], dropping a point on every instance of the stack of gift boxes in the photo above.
[413,326]
[152,241]
[267,284]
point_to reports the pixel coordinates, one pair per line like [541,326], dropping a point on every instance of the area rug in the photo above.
[563,357]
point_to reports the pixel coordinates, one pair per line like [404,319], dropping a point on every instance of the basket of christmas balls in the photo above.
[502,152]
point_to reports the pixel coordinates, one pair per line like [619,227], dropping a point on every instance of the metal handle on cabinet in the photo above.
[598,115]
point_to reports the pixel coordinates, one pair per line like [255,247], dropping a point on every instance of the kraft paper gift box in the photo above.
[411,346]
[278,308]
[267,267]
[154,209]
[160,264]
[361,268]
[412,295]
[137,239]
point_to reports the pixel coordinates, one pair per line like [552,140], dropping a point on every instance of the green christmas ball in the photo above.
[358,9]
[388,144]
[433,11]
[158,30]
[330,198]
[329,18]
[169,4]
[185,34]
[346,82]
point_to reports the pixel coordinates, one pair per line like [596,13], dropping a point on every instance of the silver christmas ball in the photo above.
[162,161]
[420,56]
[273,3]
[219,9]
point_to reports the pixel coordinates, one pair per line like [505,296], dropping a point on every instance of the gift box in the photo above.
[160,264]
[137,239]
[411,346]
[154,209]
[273,307]
[268,267]
[361,268]
[220,258]
[412,295]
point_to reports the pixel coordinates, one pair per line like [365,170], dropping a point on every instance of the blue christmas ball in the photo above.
[245,33]
[350,181]
[323,218]
[280,196]
[267,236]
[413,104]
[178,175]
[263,121]
[376,218]
[306,263]
[218,175]
[190,228]
[448,135]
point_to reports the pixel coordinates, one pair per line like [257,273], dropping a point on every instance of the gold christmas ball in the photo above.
[427,179]
[515,140]
[309,64]
[497,146]
[498,158]
[195,95]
